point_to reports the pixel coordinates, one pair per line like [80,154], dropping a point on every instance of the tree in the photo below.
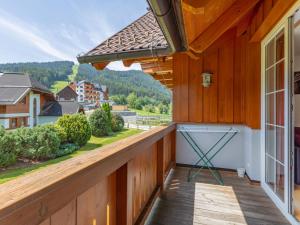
[131,99]
[119,99]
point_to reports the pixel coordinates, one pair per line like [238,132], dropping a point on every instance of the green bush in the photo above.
[106,108]
[117,123]
[62,134]
[40,142]
[2,131]
[100,123]
[8,146]
[76,127]
[66,149]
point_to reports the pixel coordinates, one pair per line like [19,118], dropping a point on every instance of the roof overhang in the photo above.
[124,55]
[169,17]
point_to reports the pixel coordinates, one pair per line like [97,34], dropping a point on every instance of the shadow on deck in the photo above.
[203,201]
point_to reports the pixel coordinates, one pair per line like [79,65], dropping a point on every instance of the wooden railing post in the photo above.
[160,163]
[121,195]
[173,147]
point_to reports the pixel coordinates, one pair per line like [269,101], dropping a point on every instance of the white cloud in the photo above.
[118,66]
[28,33]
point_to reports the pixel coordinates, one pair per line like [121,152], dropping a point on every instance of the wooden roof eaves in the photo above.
[147,53]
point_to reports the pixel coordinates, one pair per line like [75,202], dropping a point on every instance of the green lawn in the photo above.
[58,85]
[92,144]
[144,113]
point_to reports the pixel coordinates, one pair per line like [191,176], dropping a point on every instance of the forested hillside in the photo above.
[56,75]
[125,82]
[47,72]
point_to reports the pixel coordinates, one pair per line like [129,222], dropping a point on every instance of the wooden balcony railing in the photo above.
[113,185]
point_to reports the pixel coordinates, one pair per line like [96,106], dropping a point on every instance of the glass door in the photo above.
[275,114]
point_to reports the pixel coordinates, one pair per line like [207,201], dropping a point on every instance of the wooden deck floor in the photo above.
[205,202]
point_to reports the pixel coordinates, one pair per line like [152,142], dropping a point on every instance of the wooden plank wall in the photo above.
[234,59]
[234,95]
[121,197]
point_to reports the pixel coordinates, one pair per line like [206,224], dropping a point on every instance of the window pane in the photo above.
[270,140]
[280,144]
[270,54]
[270,172]
[280,46]
[280,181]
[280,76]
[270,80]
[280,108]
[270,110]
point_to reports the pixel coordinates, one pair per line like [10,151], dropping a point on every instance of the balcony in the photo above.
[133,181]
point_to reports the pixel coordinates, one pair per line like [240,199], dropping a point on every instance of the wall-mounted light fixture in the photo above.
[206,79]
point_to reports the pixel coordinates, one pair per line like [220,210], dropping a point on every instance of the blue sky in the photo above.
[49,30]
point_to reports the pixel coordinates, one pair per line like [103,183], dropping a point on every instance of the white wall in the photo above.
[4,123]
[47,119]
[33,96]
[242,151]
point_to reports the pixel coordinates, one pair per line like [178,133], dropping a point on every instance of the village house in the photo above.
[89,92]
[67,93]
[25,102]
[21,100]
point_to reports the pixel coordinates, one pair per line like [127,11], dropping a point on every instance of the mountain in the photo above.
[125,82]
[53,74]
[46,72]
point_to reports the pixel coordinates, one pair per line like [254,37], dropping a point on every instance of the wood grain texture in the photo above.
[142,181]
[225,82]
[195,90]
[203,201]
[273,15]
[65,216]
[35,197]
[210,94]
[226,21]
[93,206]
[180,89]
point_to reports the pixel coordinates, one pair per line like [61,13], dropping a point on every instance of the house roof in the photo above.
[142,38]
[67,90]
[10,95]
[13,86]
[59,108]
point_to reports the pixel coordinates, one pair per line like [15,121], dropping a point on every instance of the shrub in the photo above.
[2,131]
[62,134]
[40,142]
[106,108]
[117,123]
[149,108]
[76,127]
[8,146]
[66,149]
[100,123]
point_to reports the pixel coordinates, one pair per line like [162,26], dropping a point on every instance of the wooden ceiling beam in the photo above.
[100,66]
[158,67]
[276,13]
[128,62]
[167,76]
[167,82]
[194,6]
[227,20]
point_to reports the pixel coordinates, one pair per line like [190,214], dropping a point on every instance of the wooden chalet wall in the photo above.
[234,95]
[234,60]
